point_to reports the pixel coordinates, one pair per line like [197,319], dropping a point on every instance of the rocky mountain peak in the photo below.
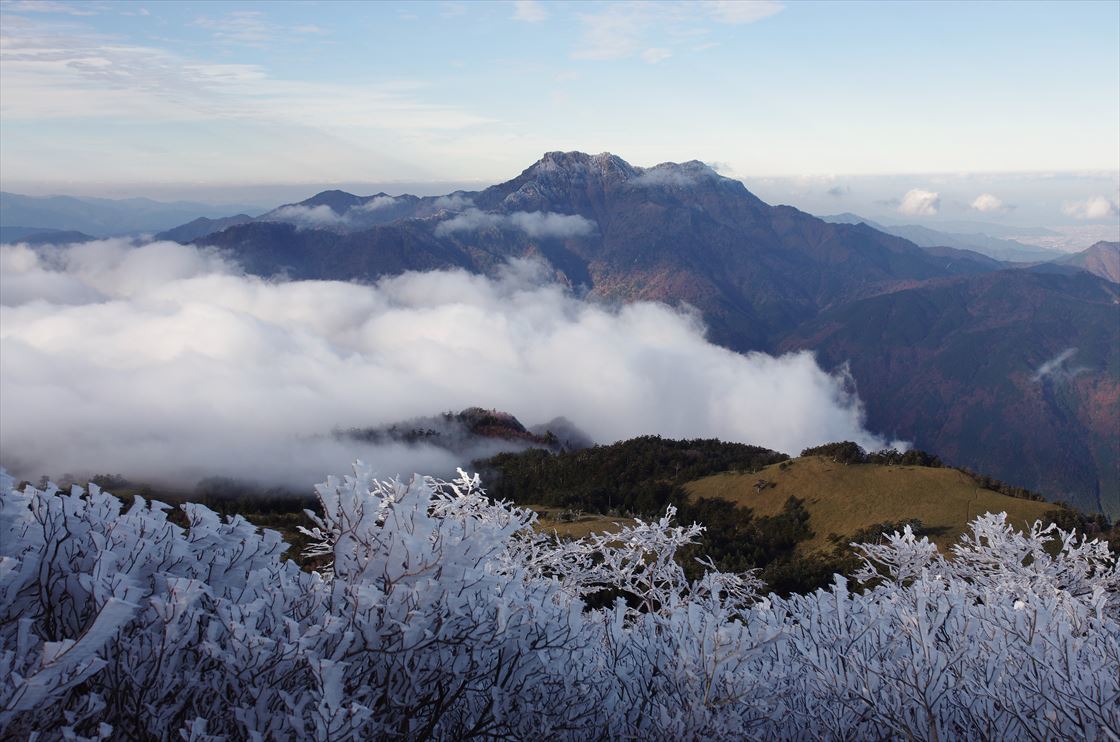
[581,166]
[337,201]
[579,182]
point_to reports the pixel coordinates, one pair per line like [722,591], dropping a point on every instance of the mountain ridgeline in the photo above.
[997,367]
[675,233]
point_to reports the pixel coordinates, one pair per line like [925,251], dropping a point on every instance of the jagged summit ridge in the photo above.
[556,181]
[608,166]
[603,164]
[562,180]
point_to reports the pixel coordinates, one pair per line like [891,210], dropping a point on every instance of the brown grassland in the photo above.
[843,498]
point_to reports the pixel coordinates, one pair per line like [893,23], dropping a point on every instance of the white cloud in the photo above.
[657,30]
[742,11]
[92,272]
[454,202]
[673,175]
[529,11]
[53,74]
[470,220]
[533,223]
[48,6]
[163,362]
[310,216]
[453,9]
[374,204]
[988,203]
[1096,207]
[246,27]
[920,202]
[547,224]
[1056,367]
[613,33]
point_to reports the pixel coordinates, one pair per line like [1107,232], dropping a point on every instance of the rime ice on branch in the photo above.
[445,615]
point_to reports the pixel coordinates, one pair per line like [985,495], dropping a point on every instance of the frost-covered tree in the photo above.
[444,615]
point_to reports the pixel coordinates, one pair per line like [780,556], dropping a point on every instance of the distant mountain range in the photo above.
[102,217]
[994,247]
[201,227]
[40,236]
[676,233]
[1011,370]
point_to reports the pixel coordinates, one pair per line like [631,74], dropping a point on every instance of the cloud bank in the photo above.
[533,223]
[920,202]
[163,363]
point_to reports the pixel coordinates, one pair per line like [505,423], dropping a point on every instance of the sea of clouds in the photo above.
[166,363]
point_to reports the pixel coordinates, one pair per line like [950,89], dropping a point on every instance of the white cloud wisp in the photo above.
[540,224]
[375,204]
[1097,207]
[529,11]
[988,203]
[308,216]
[162,362]
[920,202]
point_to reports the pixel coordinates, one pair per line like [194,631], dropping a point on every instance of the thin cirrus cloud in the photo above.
[622,30]
[248,27]
[741,11]
[163,362]
[920,202]
[529,11]
[50,74]
[252,28]
[49,6]
[654,55]
[1095,207]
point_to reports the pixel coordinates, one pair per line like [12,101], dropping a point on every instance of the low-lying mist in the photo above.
[166,363]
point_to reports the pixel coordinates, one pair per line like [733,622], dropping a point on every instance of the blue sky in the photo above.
[221,94]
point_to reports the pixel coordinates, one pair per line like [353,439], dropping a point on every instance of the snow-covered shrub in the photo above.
[445,615]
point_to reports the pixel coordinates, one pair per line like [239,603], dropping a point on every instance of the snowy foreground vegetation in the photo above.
[445,615]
